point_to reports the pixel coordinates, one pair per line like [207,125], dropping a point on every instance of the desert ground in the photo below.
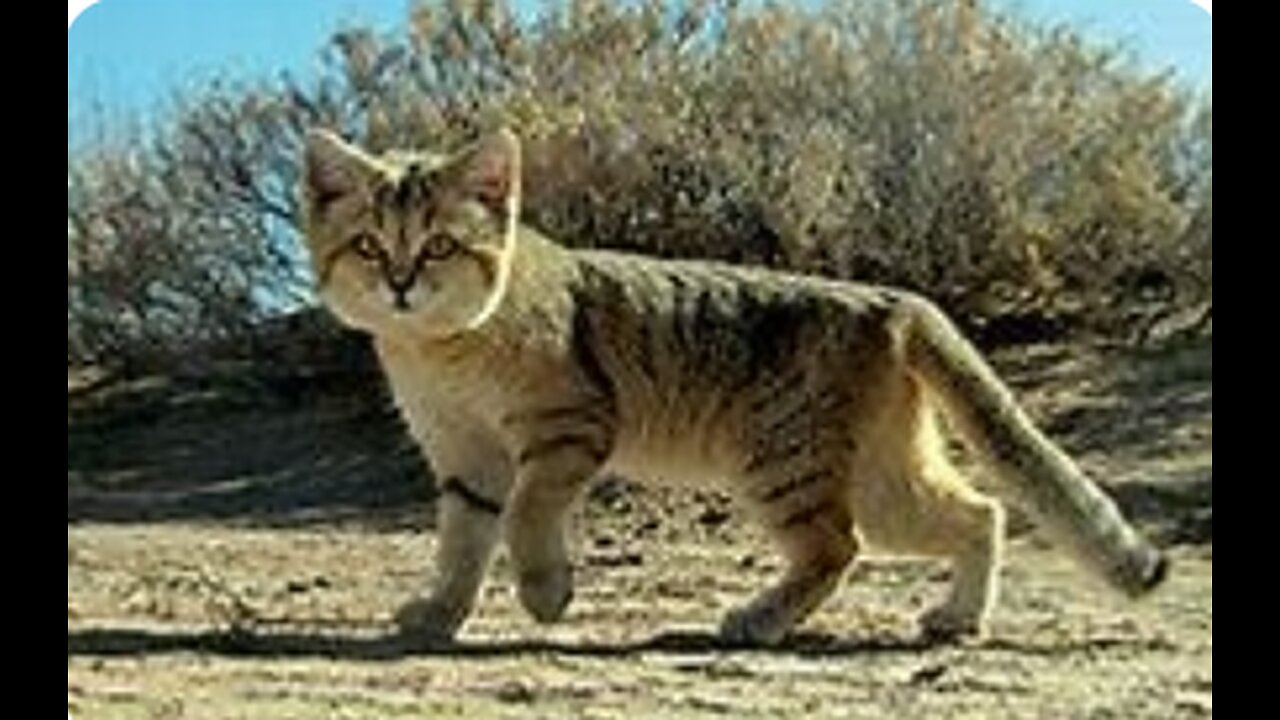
[234,552]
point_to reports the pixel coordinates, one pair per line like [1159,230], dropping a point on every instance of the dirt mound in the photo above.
[300,434]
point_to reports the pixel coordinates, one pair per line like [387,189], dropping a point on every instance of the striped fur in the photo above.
[525,368]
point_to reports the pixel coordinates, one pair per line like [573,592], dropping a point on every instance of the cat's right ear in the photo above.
[332,169]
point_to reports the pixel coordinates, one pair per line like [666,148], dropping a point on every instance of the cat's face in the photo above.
[414,244]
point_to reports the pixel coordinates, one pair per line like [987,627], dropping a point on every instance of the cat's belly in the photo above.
[665,469]
[674,451]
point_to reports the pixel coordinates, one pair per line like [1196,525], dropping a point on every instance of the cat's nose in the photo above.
[400,293]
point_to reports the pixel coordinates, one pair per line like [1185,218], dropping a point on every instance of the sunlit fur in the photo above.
[524,369]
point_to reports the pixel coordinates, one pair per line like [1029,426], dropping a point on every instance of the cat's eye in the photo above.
[367,247]
[438,246]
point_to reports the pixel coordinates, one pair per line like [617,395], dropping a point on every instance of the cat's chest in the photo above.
[493,384]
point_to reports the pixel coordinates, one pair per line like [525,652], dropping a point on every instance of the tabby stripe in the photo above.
[326,266]
[644,353]
[487,260]
[584,413]
[684,333]
[767,454]
[588,444]
[806,408]
[679,313]
[797,411]
[787,383]
[791,486]
[582,342]
[331,259]
[703,317]
[454,485]
[805,515]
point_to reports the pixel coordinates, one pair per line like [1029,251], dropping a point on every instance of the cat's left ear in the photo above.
[490,172]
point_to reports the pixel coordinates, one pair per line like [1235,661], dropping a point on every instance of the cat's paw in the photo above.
[945,624]
[546,593]
[752,626]
[430,620]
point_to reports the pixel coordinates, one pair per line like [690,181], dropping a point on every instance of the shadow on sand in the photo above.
[375,647]
[255,643]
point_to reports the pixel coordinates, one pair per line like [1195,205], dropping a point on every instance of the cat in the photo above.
[524,368]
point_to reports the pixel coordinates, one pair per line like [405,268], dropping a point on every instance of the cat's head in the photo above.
[411,243]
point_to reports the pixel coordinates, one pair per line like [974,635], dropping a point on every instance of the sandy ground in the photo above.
[174,615]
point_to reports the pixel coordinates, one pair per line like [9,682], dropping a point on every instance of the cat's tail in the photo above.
[1073,510]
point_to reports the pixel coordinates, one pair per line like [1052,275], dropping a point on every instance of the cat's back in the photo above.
[708,299]
[690,345]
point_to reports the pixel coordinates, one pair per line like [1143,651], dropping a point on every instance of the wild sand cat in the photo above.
[524,368]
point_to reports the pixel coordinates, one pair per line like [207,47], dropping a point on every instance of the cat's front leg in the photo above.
[473,474]
[468,520]
[551,473]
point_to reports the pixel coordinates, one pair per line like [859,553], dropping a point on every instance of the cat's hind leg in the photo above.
[935,513]
[967,528]
[913,500]
[816,536]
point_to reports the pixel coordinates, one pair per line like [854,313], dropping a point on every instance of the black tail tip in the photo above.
[1157,574]
[1152,574]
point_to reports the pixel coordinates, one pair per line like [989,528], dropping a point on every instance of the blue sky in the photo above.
[130,55]
[1162,33]
[125,57]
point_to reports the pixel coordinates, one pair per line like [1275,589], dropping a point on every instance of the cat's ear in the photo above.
[332,169]
[490,172]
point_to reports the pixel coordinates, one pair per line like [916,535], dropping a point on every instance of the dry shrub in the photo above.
[1007,171]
